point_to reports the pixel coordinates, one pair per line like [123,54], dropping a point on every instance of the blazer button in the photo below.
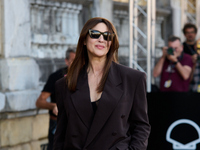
[122,116]
[114,133]
[74,136]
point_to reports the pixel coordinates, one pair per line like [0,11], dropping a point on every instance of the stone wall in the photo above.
[24,133]
[34,35]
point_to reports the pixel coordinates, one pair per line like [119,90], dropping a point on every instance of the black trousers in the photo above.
[52,130]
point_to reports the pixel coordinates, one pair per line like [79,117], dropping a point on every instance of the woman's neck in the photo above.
[96,66]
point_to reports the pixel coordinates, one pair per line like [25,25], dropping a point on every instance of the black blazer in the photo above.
[120,122]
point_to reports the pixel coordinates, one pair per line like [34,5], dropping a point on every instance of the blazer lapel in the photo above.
[81,100]
[109,100]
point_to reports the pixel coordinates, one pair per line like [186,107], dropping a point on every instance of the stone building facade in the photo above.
[34,35]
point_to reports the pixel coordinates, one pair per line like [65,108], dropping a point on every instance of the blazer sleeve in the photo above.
[139,123]
[59,136]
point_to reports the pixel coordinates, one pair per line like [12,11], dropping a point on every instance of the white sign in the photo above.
[177,145]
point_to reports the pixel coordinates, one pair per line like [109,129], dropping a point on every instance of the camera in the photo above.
[170,51]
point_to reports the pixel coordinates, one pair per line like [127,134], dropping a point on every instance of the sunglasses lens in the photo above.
[94,34]
[105,36]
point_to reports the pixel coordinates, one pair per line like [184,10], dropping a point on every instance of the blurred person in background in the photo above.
[175,67]
[189,46]
[192,47]
[49,91]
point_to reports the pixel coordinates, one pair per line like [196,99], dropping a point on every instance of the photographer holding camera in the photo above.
[174,66]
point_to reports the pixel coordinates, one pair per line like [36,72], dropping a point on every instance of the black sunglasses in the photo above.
[94,34]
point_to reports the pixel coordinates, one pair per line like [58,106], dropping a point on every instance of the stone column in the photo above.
[96,8]
[79,8]
[46,20]
[74,32]
[197,17]
[34,17]
[40,13]
[106,10]
[176,17]
[1,28]
[184,18]
[53,20]
[103,8]
[70,23]
[59,20]
[73,25]
[120,20]
[159,42]
[65,20]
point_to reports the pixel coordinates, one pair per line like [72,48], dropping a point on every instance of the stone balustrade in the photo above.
[54,26]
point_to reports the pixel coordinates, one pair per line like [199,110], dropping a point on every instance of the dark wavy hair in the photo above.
[189,25]
[82,59]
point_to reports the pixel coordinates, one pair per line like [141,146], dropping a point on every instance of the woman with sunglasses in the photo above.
[101,104]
